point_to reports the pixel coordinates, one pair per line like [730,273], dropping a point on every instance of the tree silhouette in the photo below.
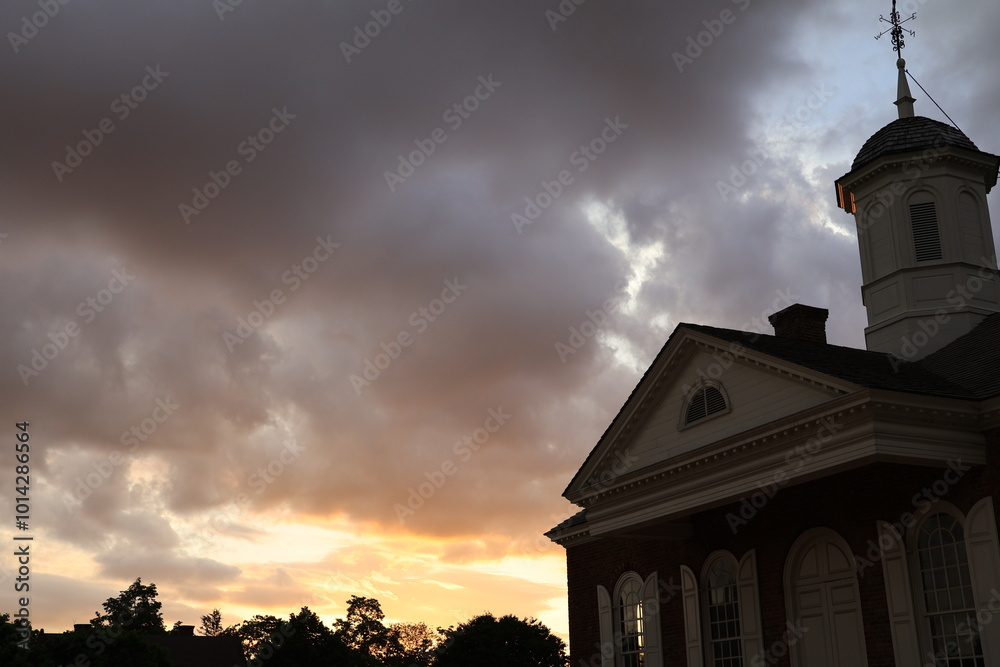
[364,631]
[211,624]
[507,641]
[10,652]
[416,645]
[301,640]
[121,636]
[99,647]
[136,608]
[312,643]
[262,636]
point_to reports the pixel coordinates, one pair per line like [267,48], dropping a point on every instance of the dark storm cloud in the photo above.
[247,148]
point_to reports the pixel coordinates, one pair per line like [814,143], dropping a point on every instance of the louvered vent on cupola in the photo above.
[926,237]
[707,401]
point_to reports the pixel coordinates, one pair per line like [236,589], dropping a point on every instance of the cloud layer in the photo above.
[345,239]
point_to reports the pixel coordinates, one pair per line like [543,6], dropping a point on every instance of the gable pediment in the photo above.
[651,428]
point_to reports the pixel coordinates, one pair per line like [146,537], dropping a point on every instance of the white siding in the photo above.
[755,396]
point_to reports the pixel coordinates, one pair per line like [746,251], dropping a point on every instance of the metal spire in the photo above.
[904,101]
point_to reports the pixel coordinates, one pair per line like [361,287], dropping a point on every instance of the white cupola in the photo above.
[917,190]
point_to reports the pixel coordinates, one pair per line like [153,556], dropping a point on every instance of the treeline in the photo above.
[124,634]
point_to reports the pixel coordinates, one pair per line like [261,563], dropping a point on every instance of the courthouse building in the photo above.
[791,502]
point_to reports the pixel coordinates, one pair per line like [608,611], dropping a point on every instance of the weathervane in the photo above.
[904,101]
[897,29]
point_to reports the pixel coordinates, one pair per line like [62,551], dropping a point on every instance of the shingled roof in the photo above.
[972,361]
[875,370]
[575,520]
[910,134]
[967,368]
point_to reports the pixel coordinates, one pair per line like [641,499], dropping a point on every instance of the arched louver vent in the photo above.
[926,238]
[707,401]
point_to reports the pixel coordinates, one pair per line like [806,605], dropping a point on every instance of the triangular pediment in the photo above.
[651,427]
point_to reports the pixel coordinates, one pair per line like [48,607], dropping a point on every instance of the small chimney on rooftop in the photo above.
[801,322]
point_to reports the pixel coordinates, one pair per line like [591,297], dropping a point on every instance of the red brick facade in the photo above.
[849,503]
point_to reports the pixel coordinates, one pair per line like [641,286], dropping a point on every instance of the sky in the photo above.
[305,300]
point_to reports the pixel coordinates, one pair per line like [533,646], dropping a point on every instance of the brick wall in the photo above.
[849,503]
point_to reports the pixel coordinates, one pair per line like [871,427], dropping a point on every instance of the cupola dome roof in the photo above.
[911,134]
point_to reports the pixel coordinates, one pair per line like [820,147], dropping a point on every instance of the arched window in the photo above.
[939,578]
[723,608]
[705,401]
[948,606]
[722,616]
[630,622]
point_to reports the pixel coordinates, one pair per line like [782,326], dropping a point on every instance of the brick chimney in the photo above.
[801,322]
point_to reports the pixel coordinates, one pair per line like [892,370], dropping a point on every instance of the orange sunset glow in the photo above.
[307,300]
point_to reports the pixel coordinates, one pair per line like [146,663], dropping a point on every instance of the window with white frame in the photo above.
[630,623]
[723,609]
[940,576]
[722,615]
[948,605]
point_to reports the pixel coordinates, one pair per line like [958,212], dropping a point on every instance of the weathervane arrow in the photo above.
[897,29]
